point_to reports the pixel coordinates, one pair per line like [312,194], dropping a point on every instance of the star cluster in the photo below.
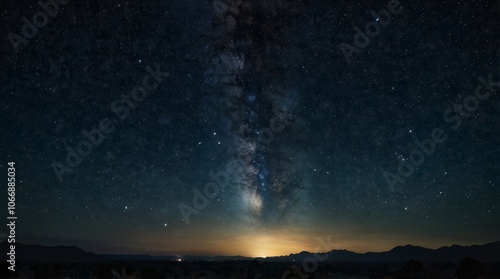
[266,85]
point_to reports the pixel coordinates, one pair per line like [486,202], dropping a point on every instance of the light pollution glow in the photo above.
[264,243]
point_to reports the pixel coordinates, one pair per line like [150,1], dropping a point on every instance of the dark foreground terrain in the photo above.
[466,268]
[402,262]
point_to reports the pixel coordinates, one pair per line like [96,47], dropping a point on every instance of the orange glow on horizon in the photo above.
[269,243]
[250,244]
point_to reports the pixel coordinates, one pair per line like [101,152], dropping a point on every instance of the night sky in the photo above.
[252,127]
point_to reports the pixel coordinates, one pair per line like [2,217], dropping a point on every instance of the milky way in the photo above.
[258,104]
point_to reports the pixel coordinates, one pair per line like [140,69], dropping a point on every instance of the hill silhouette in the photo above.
[486,253]
[489,252]
[39,253]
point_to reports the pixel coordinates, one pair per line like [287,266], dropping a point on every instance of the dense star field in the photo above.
[251,127]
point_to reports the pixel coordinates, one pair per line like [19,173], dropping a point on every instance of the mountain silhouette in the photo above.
[486,253]
[39,253]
